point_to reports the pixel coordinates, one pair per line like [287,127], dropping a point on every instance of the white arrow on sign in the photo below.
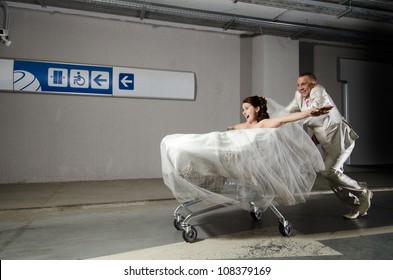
[125,82]
[99,80]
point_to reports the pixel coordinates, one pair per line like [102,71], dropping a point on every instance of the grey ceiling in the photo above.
[362,23]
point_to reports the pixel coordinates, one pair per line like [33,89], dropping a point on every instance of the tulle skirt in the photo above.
[264,165]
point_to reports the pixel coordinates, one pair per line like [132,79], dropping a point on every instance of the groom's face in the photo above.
[305,85]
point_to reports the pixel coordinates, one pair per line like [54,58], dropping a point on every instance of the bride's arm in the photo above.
[278,121]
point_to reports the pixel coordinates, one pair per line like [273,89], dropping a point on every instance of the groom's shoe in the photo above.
[365,202]
[352,215]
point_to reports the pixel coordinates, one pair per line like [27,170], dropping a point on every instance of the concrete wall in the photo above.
[52,138]
[68,138]
[49,138]
[275,68]
[46,138]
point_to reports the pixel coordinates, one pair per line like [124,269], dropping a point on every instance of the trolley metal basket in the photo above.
[183,214]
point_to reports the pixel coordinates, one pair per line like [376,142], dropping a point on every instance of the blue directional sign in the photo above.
[67,78]
[126,81]
[62,77]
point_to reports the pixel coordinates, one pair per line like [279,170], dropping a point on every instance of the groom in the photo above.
[337,140]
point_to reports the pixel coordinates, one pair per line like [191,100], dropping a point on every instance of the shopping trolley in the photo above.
[255,169]
[183,214]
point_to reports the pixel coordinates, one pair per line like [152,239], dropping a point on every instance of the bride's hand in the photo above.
[321,110]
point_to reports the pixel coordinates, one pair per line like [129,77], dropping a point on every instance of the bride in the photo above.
[263,160]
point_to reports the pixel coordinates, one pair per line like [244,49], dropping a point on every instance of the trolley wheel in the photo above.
[177,224]
[191,235]
[256,215]
[285,230]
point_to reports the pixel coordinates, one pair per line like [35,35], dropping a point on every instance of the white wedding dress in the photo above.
[264,165]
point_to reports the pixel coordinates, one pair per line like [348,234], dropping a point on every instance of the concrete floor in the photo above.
[132,219]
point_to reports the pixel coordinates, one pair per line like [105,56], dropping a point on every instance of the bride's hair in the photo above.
[258,101]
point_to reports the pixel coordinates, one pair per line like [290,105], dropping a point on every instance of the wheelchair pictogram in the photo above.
[79,78]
